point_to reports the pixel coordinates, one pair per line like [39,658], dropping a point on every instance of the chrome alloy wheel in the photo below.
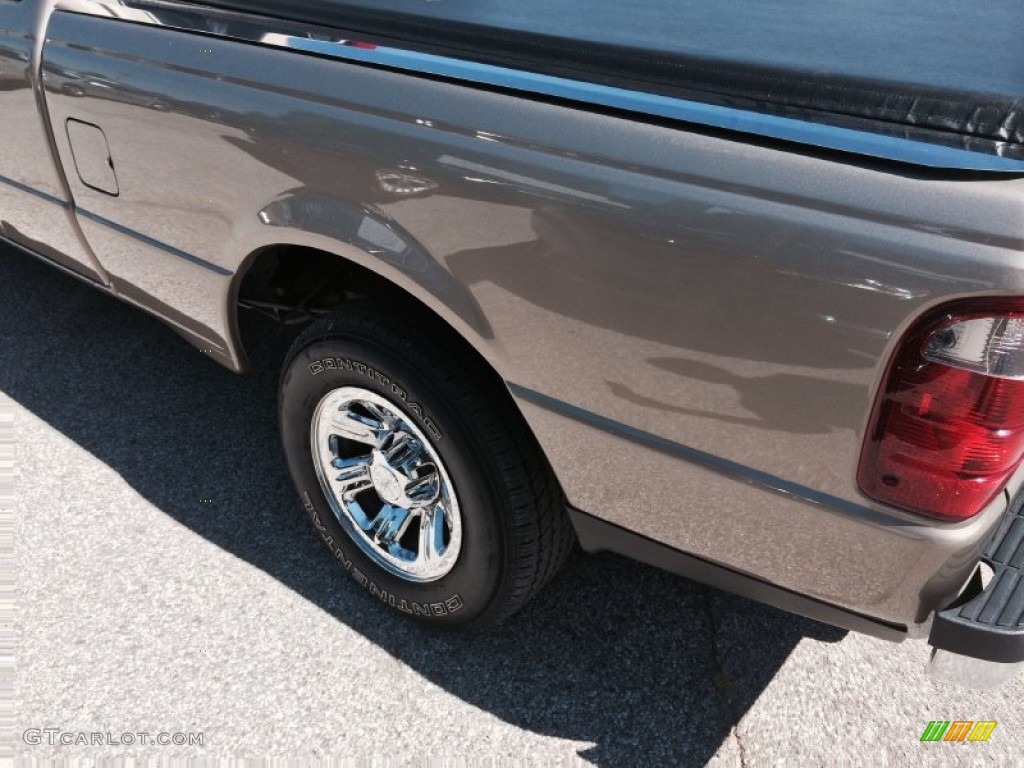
[386,484]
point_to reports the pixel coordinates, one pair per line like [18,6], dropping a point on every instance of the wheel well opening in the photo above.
[285,287]
[293,285]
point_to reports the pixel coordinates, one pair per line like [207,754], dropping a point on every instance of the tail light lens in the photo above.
[947,429]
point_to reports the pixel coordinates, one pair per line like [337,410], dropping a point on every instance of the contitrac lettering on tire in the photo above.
[344,364]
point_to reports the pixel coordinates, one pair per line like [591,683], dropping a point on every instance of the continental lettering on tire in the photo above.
[344,364]
[449,606]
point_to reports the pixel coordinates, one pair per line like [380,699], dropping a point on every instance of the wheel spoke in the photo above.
[354,426]
[431,534]
[400,449]
[390,525]
[358,516]
[425,489]
[354,475]
[381,415]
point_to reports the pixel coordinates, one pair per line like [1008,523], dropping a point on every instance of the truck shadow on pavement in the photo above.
[649,667]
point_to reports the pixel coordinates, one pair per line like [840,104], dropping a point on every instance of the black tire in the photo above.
[515,531]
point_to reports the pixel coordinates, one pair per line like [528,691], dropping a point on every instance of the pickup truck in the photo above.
[735,289]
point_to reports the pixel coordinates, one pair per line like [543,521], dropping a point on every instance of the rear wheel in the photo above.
[416,469]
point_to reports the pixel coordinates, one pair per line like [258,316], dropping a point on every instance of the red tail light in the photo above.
[947,429]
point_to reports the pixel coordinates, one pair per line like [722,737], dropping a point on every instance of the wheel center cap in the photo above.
[387,481]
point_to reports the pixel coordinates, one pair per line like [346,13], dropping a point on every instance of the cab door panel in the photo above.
[35,208]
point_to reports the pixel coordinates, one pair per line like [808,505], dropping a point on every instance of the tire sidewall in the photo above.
[325,364]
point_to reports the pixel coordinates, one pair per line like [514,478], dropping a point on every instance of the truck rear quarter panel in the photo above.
[694,325]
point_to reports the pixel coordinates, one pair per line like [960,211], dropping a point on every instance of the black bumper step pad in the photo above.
[990,625]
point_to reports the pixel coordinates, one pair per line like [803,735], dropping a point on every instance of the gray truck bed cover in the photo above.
[945,67]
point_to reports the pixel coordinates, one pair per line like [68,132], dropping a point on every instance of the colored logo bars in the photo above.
[958,730]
